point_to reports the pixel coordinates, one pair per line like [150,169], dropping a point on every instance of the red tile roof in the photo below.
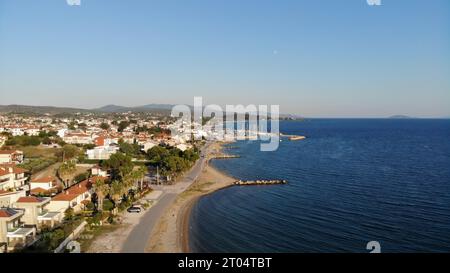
[46,179]
[74,191]
[3,171]
[38,191]
[99,141]
[30,199]
[10,152]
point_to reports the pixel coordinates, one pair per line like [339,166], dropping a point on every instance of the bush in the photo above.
[90,206]
[38,164]
[108,205]
[80,177]
[23,141]
[95,219]
[69,214]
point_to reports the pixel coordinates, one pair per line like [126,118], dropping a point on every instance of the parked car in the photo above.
[134,209]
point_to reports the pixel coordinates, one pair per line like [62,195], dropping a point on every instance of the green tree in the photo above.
[129,149]
[66,170]
[116,190]
[101,189]
[123,125]
[69,214]
[104,126]
[120,165]
[69,151]
[46,140]
[157,153]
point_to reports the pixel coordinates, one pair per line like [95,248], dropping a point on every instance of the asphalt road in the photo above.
[138,237]
[136,241]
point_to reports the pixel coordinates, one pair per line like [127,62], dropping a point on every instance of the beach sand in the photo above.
[170,234]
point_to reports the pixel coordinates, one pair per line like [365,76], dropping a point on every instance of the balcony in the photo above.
[20,232]
[49,216]
[21,237]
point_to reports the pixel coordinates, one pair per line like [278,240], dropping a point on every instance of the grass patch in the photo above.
[90,234]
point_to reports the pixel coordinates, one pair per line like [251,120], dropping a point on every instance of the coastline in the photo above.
[171,233]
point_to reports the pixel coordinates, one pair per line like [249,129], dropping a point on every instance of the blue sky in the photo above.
[318,58]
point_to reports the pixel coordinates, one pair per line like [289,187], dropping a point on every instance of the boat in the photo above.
[296,138]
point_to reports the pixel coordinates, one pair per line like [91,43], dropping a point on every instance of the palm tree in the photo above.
[116,190]
[101,189]
[66,170]
[139,175]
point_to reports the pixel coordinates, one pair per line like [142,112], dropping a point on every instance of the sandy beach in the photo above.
[170,234]
[170,230]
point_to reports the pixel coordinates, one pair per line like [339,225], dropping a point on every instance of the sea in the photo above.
[350,182]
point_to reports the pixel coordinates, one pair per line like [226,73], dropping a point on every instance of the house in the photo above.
[36,213]
[74,197]
[12,177]
[147,145]
[99,171]
[12,184]
[77,138]
[183,147]
[44,186]
[102,152]
[13,233]
[16,130]
[11,156]
[32,130]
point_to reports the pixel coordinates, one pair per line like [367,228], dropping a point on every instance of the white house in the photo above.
[99,171]
[12,184]
[43,185]
[32,130]
[12,177]
[36,213]
[183,147]
[62,132]
[12,231]
[77,138]
[101,152]
[145,146]
[11,156]
[76,197]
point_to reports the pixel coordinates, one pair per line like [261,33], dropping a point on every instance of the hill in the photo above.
[14,108]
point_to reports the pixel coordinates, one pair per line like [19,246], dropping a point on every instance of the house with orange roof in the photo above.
[11,156]
[12,177]
[44,186]
[12,184]
[104,148]
[75,197]
[36,213]
[13,233]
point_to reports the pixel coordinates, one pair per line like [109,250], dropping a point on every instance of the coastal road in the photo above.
[137,240]
[138,237]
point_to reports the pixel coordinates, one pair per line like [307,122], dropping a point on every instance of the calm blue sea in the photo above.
[350,182]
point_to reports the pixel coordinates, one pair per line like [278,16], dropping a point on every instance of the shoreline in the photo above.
[186,214]
[171,233]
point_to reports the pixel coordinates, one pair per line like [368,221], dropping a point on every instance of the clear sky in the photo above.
[318,58]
